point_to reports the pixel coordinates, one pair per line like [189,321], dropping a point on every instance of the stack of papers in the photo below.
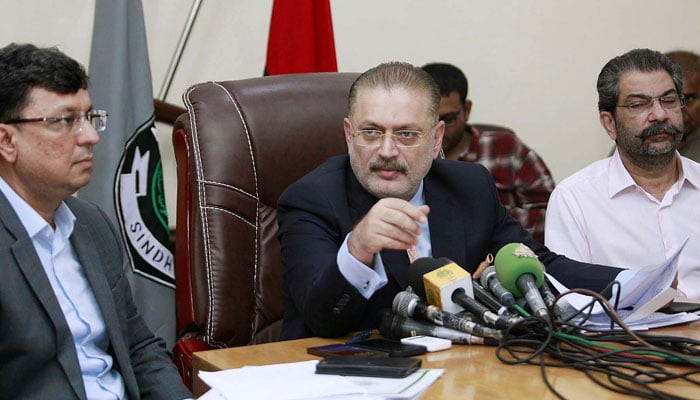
[295,381]
[642,293]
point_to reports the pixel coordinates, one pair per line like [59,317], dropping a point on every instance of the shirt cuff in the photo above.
[363,278]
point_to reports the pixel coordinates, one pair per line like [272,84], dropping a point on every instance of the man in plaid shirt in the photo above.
[523,180]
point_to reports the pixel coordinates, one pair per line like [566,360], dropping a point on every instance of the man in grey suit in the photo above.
[69,327]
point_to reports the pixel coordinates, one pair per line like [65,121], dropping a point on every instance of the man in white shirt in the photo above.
[636,207]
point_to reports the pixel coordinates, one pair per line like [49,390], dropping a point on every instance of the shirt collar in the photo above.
[31,220]
[620,178]
[418,199]
[688,173]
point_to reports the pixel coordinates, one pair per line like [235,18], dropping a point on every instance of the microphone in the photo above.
[449,287]
[467,315]
[410,305]
[490,280]
[547,294]
[397,327]
[521,272]
[561,309]
[488,299]
[437,286]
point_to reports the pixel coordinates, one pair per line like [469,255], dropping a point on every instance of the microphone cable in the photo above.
[620,360]
[615,358]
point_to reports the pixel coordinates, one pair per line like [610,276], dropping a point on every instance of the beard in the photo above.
[645,154]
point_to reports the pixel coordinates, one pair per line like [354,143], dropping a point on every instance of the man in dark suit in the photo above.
[69,328]
[345,228]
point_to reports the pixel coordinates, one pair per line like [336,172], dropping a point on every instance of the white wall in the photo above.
[532,64]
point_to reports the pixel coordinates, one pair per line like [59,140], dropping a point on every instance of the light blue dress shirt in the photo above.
[367,281]
[73,293]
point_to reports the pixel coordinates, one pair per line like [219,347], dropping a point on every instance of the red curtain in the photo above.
[301,38]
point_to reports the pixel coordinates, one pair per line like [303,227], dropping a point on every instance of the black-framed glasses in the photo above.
[643,104]
[97,118]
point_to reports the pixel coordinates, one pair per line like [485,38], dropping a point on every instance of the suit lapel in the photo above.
[446,236]
[89,255]
[396,261]
[359,200]
[105,272]
[29,264]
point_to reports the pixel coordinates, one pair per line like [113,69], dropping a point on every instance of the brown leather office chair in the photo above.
[240,144]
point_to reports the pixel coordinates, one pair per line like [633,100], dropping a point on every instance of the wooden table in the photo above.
[471,372]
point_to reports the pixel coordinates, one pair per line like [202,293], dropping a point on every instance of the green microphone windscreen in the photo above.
[514,260]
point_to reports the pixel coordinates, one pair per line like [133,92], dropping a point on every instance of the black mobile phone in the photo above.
[393,347]
[340,350]
[389,367]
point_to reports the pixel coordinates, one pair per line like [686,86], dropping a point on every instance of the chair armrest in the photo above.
[183,273]
[183,351]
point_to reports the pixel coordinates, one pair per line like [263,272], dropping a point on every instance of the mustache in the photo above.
[659,128]
[388,164]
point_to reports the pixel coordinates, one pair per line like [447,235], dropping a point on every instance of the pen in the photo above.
[360,336]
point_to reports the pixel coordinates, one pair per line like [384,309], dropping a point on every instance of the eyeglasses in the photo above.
[374,137]
[97,118]
[643,105]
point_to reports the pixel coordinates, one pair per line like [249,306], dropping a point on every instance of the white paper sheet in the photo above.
[294,381]
[645,290]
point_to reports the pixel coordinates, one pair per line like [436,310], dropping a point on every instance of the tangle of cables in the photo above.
[619,359]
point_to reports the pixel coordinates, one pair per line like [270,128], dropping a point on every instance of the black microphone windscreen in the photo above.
[419,268]
[387,324]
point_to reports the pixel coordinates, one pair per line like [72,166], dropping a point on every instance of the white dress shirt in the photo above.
[73,293]
[366,280]
[600,215]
